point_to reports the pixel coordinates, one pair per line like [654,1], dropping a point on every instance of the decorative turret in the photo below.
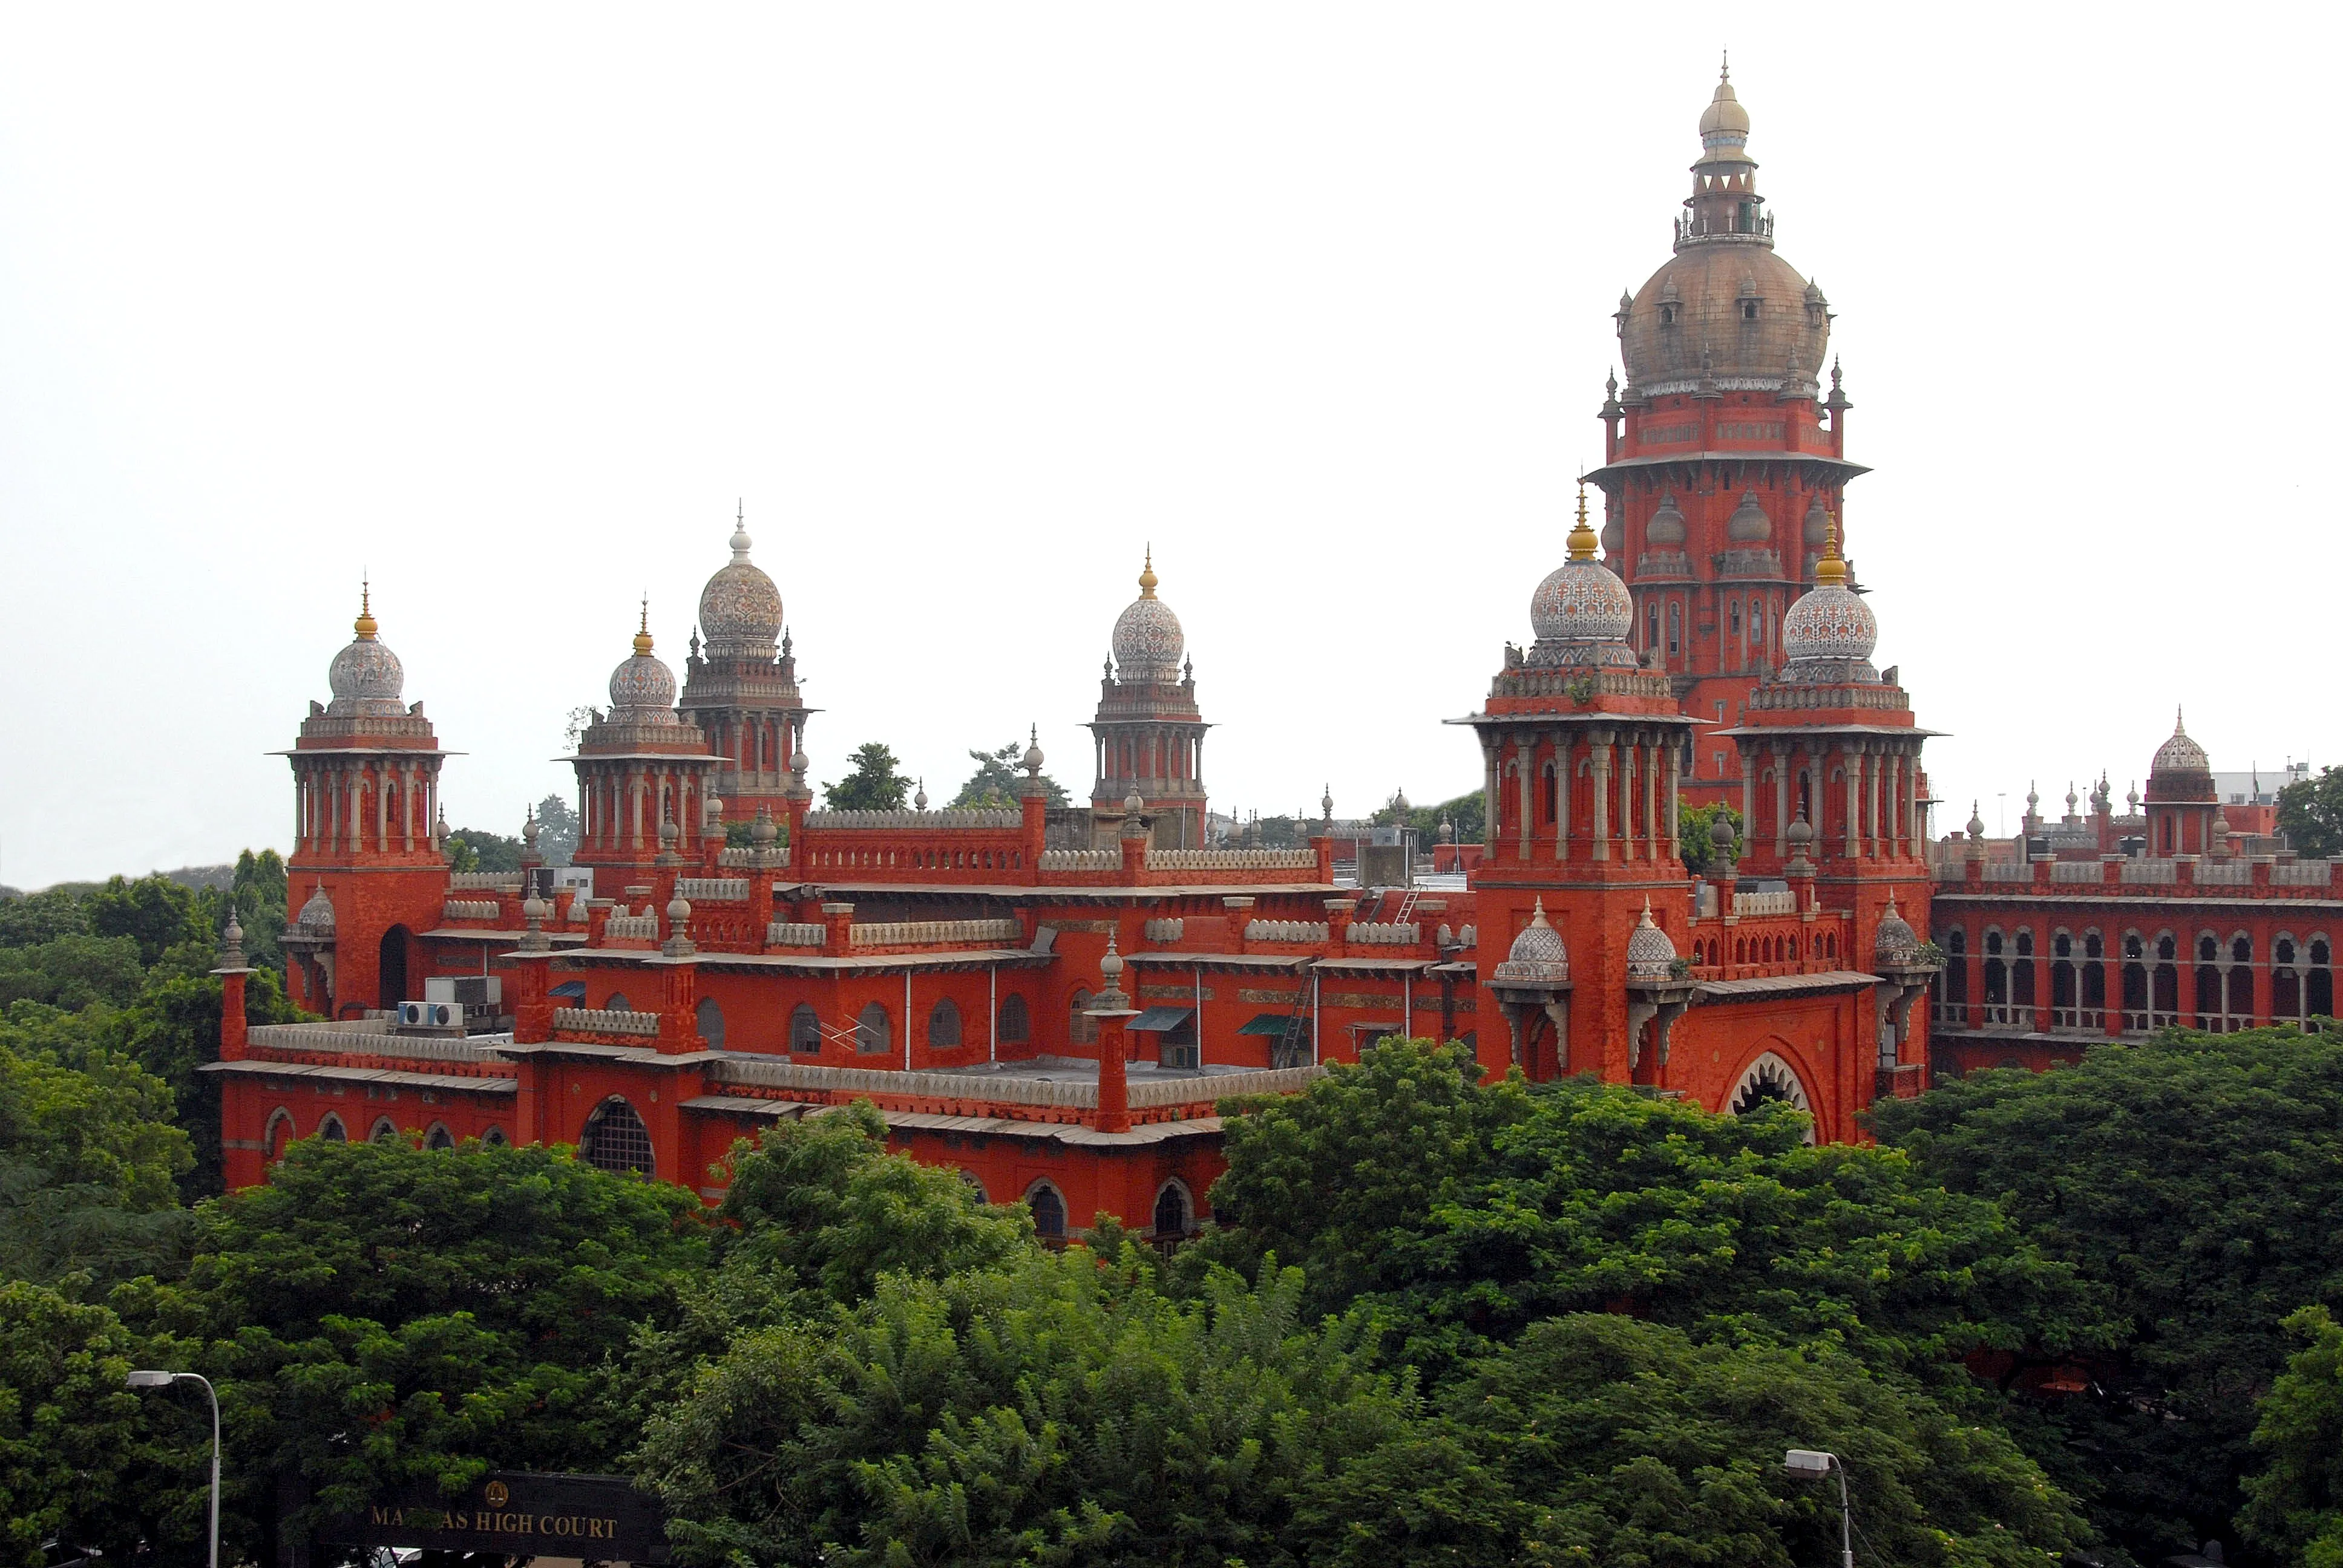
[1537,957]
[643,773]
[1149,732]
[742,695]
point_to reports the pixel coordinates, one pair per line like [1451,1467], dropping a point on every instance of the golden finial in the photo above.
[1147,575]
[643,631]
[365,624]
[1582,538]
[1830,571]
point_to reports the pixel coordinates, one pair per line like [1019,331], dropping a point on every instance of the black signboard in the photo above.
[602,1518]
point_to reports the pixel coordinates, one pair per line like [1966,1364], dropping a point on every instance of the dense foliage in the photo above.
[998,778]
[2310,814]
[2197,1181]
[872,785]
[2295,1502]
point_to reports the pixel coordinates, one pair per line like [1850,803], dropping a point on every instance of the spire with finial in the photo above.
[643,628]
[919,800]
[365,624]
[1830,570]
[740,540]
[1147,575]
[1583,542]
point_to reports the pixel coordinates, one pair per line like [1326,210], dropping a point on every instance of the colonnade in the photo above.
[620,808]
[346,804]
[1562,792]
[1876,780]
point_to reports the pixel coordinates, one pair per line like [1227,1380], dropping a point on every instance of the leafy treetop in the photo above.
[873,785]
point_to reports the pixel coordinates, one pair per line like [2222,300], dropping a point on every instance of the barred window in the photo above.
[943,1026]
[617,1140]
[1015,1027]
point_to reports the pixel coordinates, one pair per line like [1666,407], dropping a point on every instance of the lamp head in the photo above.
[1807,1461]
[148,1379]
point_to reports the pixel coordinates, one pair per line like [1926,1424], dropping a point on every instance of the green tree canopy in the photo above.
[476,849]
[83,1458]
[2196,1180]
[556,830]
[156,912]
[1460,1212]
[72,971]
[998,778]
[1056,1409]
[873,785]
[2310,814]
[2295,1507]
[1597,1438]
[1695,826]
[381,1315]
[89,1159]
[42,916]
[258,890]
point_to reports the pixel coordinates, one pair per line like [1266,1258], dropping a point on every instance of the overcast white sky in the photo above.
[968,302]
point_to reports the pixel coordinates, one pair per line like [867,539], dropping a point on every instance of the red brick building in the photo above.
[1059,1015]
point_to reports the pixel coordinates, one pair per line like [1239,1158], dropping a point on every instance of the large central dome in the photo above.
[740,610]
[1726,308]
[1148,641]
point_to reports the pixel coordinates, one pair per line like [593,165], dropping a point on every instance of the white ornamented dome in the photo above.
[642,689]
[2181,754]
[1829,621]
[1582,612]
[740,610]
[1537,956]
[1148,641]
[1895,942]
[1650,954]
[366,677]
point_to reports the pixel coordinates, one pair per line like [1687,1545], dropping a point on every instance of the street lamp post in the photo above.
[146,1379]
[1809,1463]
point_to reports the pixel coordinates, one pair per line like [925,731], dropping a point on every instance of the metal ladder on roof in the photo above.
[1406,908]
[1293,1047]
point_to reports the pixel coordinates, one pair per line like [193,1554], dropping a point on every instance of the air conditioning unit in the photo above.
[471,990]
[431,1015]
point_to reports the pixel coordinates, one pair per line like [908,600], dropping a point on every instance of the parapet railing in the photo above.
[1229,859]
[795,934]
[1080,860]
[1386,933]
[951,819]
[485,881]
[904,933]
[631,928]
[1285,931]
[360,1039]
[714,889]
[468,910]
[604,1020]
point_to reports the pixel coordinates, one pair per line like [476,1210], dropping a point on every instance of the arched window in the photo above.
[2286,982]
[1015,1027]
[1049,1212]
[805,1031]
[1550,795]
[2318,981]
[1953,982]
[438,1137]
[2164,1006]
[391,972]
[494,1138]
[709,1019]
[874,1034]
[619,1003]
[1736,618]
[2021,973]
[1676,629]
[1174,1215]
[385,1131]
[332,1130]
[943,1026]
[1996,980]
[279,1133]
[617,1140]
[2241,982]
[2209,1008]
[975,1185]
[1081,1028]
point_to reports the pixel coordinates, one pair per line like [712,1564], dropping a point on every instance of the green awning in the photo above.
[1158,1019]
[1272,1024]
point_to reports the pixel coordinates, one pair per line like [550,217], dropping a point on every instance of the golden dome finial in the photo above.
[1147,575]
[1830,571]
[365,624]
[1583,541]
[643,630]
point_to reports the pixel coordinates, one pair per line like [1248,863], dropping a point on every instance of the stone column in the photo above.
[1895,803]
[1872,763]
[1525,765]
[1851,762]
[1627,760]
[1676,808]
[1566,767]
[1601,741]
[1652,800]
[1781,801]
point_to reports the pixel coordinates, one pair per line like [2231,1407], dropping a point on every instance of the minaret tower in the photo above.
[367,871]
[742,691]
[643,777]
[1148,734]
[1580,743]
[1722,456]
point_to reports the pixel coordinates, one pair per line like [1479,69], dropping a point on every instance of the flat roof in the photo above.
[1785,985]
[393,1077]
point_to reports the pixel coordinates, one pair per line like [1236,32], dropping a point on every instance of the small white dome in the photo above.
[1650,954]
[740,610]
[642,689]
[1537,956]
[1829,622]
[1895,942]
[1148,641]
[366,677]
[2181,754]
[317,916]
[1665,531]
